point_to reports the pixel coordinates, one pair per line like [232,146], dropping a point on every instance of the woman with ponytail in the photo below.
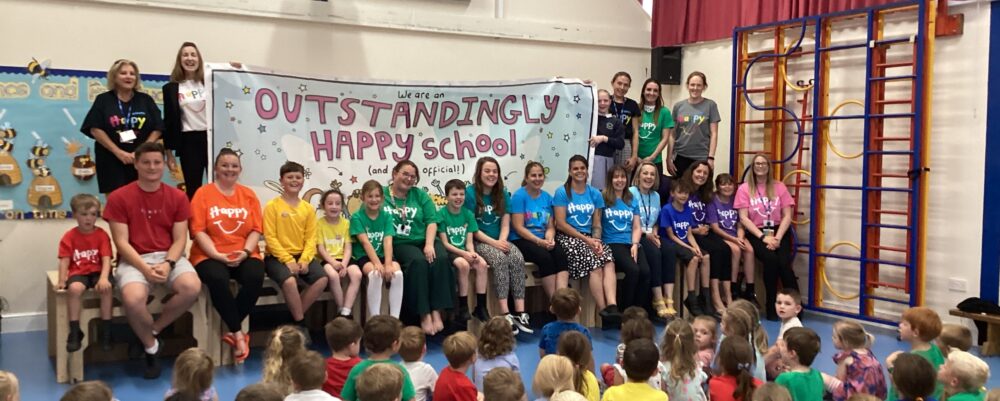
[736,383]
[534,233]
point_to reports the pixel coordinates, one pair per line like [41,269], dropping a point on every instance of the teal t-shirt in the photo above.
[651,132]
[411,215]
[489,221]
[376,229]
[457,226]
[804,386]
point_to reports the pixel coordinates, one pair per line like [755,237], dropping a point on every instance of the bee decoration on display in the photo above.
[44,191]
[83,167]
[10,171]
[34,163]
[6,146]
[38,70]
[7,133]
[41,149]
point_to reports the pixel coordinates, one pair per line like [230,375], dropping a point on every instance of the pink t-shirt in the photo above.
[760,207]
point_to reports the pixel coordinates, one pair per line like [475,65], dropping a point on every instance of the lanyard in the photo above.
[401,211]
[647,222]
[767,204]
[619,112]
[126,116]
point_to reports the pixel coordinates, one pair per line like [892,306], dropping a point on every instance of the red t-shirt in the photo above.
[453,385]
[721,388]
[150,216]
[336,374]
[85,251]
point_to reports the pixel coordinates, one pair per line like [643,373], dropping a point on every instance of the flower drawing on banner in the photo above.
[308,172]
[550,135]
[335,184]
[229,145]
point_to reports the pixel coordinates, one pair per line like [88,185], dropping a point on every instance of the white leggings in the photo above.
[375,283]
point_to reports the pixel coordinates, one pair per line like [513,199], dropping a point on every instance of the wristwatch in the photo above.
[247,251]
[172,263]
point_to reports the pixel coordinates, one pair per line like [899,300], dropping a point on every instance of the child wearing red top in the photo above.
[344,337]
[736,359]
[85,262]
[452,383]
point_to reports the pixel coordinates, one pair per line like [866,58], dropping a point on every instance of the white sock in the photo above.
[396,294]
[374,294]
[156,347]
[345,311]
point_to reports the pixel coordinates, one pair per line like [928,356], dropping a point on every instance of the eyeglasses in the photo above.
[761,163]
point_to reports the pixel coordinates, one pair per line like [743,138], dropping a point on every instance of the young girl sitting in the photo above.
[737,323]
[576,346]
[496,349]
[286,342]
[553,376]
[681,374]
[724,220]
[333,247]
[193,372]
[372,232]
[9,389]
[736,383]
[858,370]
[914,378]
[757,337]
[705,340]
[632,329]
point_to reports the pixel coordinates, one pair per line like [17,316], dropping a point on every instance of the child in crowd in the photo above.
[954,336]
[458,228]
[758,336]
[333,246]
[260,392]
[193,371]
[503,384]
[85,262]
[736,383]
[565,304]
[788,305]
[858,370]
[863,397]
[681,374]
[553,375]
[772,392]
[632,329]
[641,362]
[381,382]
[798,350]
[913,378]
[452,383]
[496,349]
[575,346]
[93,390]
[371,238]
[676,221]
[413,348]
[308,375]
[290,234]
[737,323]
[963,376]
[705,339]
[919,326]
[343,335]
[286,342]
[381,339]
[9,389]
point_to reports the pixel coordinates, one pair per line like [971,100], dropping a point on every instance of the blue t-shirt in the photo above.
[580,209]
[679,221]
[723,214]
[536,211]
[616,222]
[697,209]
[649,208]
[551,332]
[489,221]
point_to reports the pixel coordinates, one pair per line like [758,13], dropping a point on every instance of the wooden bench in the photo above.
[992,345]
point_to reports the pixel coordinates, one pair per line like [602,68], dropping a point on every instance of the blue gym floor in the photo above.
[25,355]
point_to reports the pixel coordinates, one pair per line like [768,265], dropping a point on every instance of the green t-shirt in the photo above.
[410,216]
[968,396]
[350,394]
[651,132]
[457,226]
[804,386]
[376,230]
[936,358]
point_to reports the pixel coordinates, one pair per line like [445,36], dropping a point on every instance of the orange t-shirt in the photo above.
[228,220]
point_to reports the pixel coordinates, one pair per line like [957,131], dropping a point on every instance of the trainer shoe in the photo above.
[513,323]
[522,324]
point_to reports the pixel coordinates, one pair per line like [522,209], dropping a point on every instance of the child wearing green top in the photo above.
[458,225]
[798,351]
[919,326]
[963,376]
[381,339]
[372,231]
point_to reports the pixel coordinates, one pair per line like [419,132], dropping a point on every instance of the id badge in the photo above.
[127,136]
[647,230]
[768,232]
[769,224]
[403,230]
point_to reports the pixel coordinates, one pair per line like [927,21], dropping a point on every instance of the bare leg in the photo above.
[596,281]
[482,277]
[438,323]
[311,293]
[562,280]
[354,275]
[503,305]
[518,305]
[549,285]
[186,288]
[107,304]
[290,289]
[74,291]
[691,275]
[610,284]
[334,279]
[134,300]
[462,276]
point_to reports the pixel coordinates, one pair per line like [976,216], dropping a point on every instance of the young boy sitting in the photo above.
[919,326]
[381,339]
[412,348]
[260,392]
[85,262]
[344,338]
[788,305]
[565,304]
[290,233]
[641,361]
[453,384]
[676,222]
[798,350]
[458,225]
[381,382]
[503,384]
[963,376]
[308,374]
[954,337]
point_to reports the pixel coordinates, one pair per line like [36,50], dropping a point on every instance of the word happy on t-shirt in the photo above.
[697,209]
[617,221]
[580,209]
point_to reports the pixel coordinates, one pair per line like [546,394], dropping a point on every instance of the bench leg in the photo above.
[992,346]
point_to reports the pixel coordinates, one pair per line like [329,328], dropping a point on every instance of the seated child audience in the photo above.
[858,370]
[193,371]
[681,374]
[565,304]
[85,262]
[705,338]
[736,322]
[260,392]
[575,346]
[635,325]
[496,349]
[452,383]
[381,382]
[758,336]
[381,339]
[92,390]
[963,376]
[788,305]
[798,350]
[413,348]
[308,371]
[553,375]
[503,384]
[772,392]
[286,342]
[641,361]
[182,396]
[954,336]
[919,326]
[913,378]
[736,381]
[343,335]
[9,389]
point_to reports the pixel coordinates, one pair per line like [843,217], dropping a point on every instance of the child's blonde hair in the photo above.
[459,348]
[852,335]
[567,395]
[970,371]
[93,390]
[678,348]
[503,384]
[554,374]
[709,324]
[736,323]
[380,382]
[772,392]
[758,334]
[193,371]
[954,336]
[9,389]
[412,341]
[496,338]
[286,342]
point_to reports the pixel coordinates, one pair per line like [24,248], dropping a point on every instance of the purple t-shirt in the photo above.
[697,210]
[723,214]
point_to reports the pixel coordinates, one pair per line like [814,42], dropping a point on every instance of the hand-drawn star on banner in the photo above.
[229,145]
[549,135]
[354,179]
[261,128]
[566,137]
[522,156]
[579,116]
[239,153]
[576,98]
[246,90]
[229,105]
[308,173]
[303,88]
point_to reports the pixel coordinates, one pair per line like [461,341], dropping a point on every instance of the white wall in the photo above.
[382,39]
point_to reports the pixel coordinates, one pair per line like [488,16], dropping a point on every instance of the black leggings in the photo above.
[194,160]
[216,275]
[653,260]
[548,262]
[667,273]
[633,288]
[720,256]
[777,264]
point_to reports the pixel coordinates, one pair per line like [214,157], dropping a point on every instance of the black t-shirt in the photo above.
[610,127]
[113,116]
[625,112]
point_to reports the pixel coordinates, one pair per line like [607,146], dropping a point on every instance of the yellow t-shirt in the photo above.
[290,231]
[633,391]
[593,389]
[333,237]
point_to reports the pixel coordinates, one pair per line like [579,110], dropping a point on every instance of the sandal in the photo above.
[246,353]
[661,308]
[670,308]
